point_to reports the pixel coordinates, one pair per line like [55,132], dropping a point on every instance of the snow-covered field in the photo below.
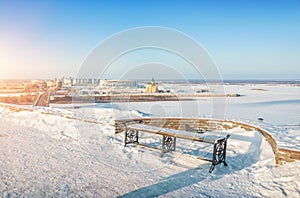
[44,153]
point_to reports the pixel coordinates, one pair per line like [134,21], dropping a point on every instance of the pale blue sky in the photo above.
[247,39]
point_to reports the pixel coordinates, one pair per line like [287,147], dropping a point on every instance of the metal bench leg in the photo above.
[219,153]
[224,154]
[214,160]
[131,136]
[168,144]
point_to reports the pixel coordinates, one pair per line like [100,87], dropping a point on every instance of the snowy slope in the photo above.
[53,156]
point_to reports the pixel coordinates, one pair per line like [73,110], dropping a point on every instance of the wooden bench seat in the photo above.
[169,140]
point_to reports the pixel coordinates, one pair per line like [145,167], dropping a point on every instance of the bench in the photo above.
[169,140]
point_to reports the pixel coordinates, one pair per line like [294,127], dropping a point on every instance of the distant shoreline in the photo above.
[255,81]
[136,98]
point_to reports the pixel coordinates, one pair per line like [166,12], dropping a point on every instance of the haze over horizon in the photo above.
[246,39]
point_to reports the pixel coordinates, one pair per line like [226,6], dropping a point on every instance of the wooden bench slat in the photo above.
[211,138]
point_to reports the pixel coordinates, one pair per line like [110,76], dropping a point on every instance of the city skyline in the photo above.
[246,40]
